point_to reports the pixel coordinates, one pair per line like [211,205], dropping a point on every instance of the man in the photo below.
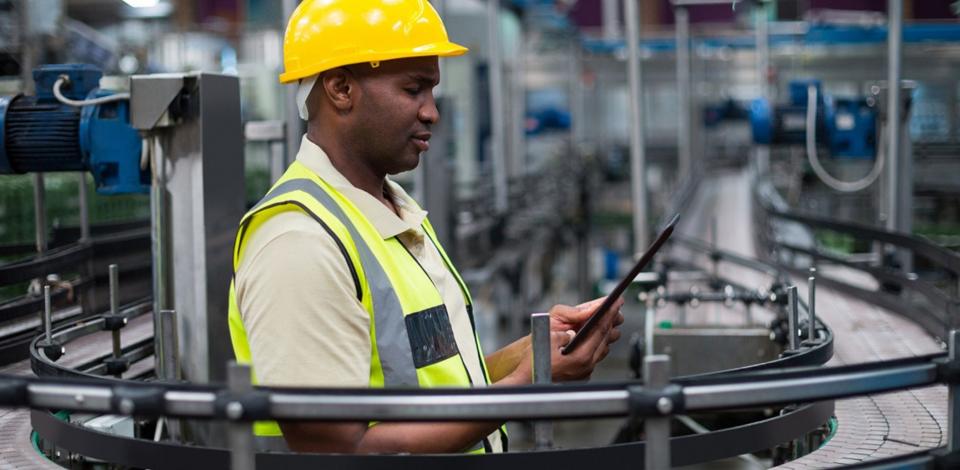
[340,280]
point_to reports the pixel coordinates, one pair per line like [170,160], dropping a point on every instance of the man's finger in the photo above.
[591,305]
[604,353]
[597,341]
[561,338]
[603,348]
[614,336]
[618,319]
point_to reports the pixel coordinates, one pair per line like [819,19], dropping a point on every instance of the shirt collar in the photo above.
[384,220]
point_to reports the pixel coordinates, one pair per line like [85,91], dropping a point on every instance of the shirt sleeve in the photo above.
[299,306]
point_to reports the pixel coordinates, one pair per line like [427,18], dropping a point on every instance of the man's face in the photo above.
[394,111]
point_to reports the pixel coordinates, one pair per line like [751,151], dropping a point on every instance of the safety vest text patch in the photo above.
[431,336]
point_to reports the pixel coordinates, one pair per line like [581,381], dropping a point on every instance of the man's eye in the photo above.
[413,91]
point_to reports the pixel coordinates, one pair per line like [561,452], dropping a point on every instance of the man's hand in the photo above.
[579,364]
[565,318]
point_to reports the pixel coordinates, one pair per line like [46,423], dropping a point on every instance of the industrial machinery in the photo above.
[847,126]
[71,124]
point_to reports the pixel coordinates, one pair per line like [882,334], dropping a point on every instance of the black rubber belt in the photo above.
[685,450]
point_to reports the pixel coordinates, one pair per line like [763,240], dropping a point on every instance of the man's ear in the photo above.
[339,87]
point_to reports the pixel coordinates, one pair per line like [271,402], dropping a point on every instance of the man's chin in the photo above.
[408,163]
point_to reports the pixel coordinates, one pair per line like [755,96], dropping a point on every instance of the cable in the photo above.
[822,173]
[92,102]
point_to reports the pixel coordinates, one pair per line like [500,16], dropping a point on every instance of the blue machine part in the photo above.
[41,134]
[799,89]
[725,111]
[852,128]
[847,126]
[761,121]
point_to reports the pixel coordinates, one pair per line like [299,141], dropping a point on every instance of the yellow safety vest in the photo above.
[410,332]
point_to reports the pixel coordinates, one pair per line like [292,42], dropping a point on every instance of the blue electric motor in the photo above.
[42,134]
[847,126]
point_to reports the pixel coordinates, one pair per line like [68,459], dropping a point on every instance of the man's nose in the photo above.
[429,112]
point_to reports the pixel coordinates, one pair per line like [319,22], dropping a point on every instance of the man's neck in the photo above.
[355,171]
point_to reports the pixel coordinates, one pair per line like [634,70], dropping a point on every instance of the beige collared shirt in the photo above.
[298,301]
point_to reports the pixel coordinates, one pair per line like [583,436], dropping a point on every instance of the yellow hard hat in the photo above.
[325,34]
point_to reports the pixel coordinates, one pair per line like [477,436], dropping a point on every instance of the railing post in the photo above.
[114,322]
[649,323]
[115,307]
[793,314]
[52,349]
[47,319]
[953,396]
[542,372]
[812,306]
[656,375]
[240,433]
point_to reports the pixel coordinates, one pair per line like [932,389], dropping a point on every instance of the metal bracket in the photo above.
[116,365]
[150,98]
[648,401]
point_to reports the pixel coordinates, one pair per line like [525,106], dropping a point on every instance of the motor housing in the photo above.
[42,134]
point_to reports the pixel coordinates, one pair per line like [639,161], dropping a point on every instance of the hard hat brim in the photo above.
[439,49]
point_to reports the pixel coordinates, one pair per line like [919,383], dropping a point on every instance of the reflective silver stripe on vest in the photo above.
[393,344]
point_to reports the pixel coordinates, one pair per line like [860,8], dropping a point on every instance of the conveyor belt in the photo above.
[869,428]
[16,449]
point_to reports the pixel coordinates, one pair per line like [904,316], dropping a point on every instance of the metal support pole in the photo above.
[40,213]
[953,397]
[53,350]
[793,313]
[171,361]
[684,88]
[812,309]
[115,308]
[47,319]
[649,324]
[170,341]
[894,64]
[240,434]
[714,254]
[763,50]
[84,198]
[812,305]
[441,7]
[159,238]
[498,156]
[542,372]
[278,160]
[294,124]
[611,20]
[638,159]
[656,374]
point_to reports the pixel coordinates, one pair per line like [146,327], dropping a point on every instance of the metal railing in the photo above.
[655,401]
[930,298]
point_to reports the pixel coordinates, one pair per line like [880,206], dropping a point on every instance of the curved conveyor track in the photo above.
[871,427]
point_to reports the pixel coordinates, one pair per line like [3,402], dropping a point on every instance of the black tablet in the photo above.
[622,286]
